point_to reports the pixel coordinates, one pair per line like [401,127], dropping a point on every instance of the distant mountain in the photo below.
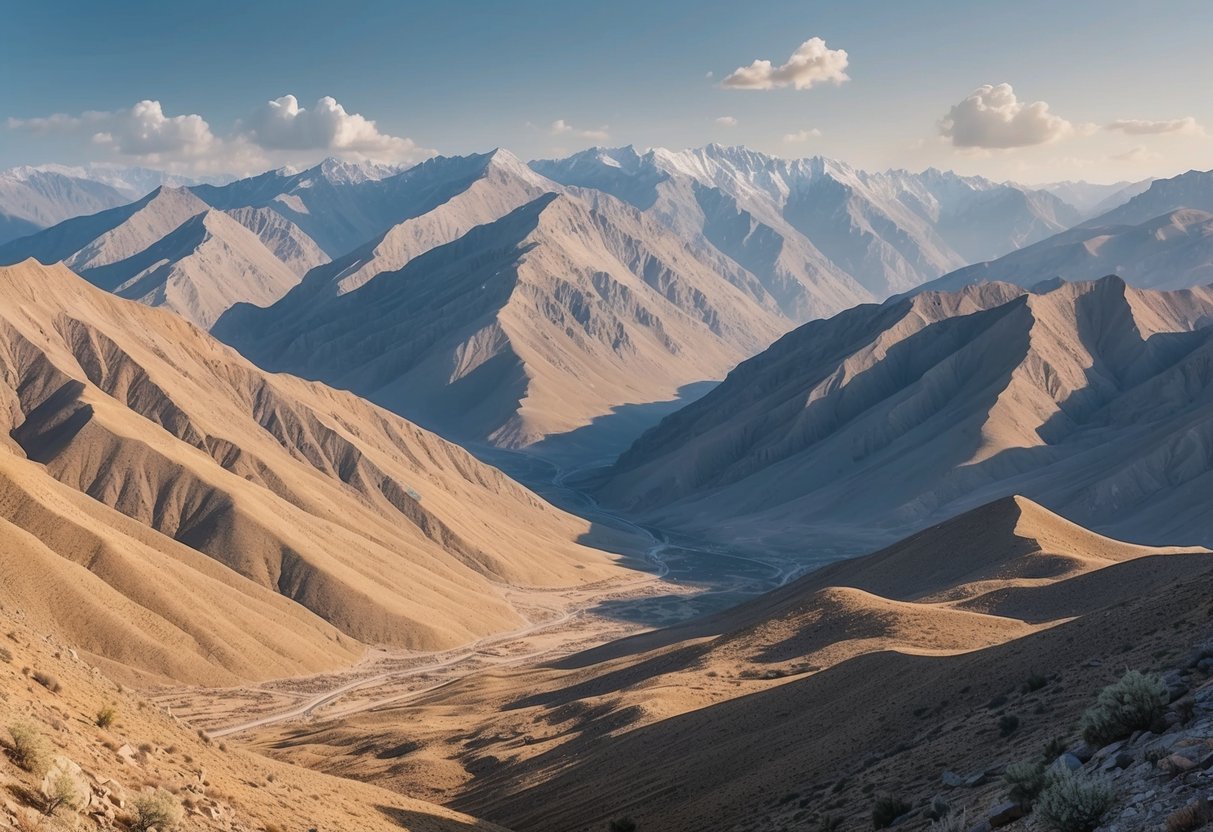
[37,197]
[171,249]
[1160,239]
[339,205]
[1193,189]
[177,512]
[534,324]
[816,227]
[1091,398]
[1092,199]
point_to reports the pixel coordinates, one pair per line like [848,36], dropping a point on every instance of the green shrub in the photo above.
[6,655]
[1008,725]
[157,810]
[62,792]
[30,749]
[887,810]
[1024,781]
[1054,748]
[1134,703]
[106,716]
[1072,802]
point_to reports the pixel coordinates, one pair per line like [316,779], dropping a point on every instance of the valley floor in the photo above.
[676,581]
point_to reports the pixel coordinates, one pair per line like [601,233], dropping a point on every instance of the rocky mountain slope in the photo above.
[1005,616]
[1090,398]
[145,464]
[37,197]
[1162,238]
[816,227]
[116,751]
[533,324]
[171,249]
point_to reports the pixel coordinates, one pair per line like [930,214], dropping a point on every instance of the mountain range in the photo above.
[36,197]
[1090,398]
[179,514]
[526,302]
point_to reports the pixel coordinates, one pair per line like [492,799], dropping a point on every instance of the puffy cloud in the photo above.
[281,124]
[801,135]
[727,121]
[992,117]
[560,127]
[812,63]
[143,131]
[1140,127]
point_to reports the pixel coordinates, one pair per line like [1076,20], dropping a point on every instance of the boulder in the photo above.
[64,772]
[1004,814]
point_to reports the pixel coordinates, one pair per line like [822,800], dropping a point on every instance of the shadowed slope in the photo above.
[853,431]
[715,722]
[351,512]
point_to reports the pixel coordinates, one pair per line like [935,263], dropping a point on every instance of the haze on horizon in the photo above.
[1008,93]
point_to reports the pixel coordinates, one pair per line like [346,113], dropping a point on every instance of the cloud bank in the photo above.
[278,131]
[1140,127]
[992,117]
[812,63]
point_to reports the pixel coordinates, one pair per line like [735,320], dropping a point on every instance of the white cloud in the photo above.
[281,124]
[1140,127]
[560,127]
[279,132]
[143,131]
[992,117]
[727,121]
[1137,155]
[801,135]
[812,63]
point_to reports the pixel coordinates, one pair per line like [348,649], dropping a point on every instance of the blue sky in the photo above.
[548,78]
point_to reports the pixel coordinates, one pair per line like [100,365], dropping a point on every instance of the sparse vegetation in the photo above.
[62,792]
[157,810]
[30,750]
[47,681]
[1072,802]
[622,825]
[6,655]
[829,823]
[1025,780]
[1135,703]
[887,810]
[1054,748]
[106,716]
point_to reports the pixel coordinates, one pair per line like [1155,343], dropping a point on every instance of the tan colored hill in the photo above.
[1091,398]
[558,313]
[283,238]
[171,249]
[146,467]
[870,676]
[218,786]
